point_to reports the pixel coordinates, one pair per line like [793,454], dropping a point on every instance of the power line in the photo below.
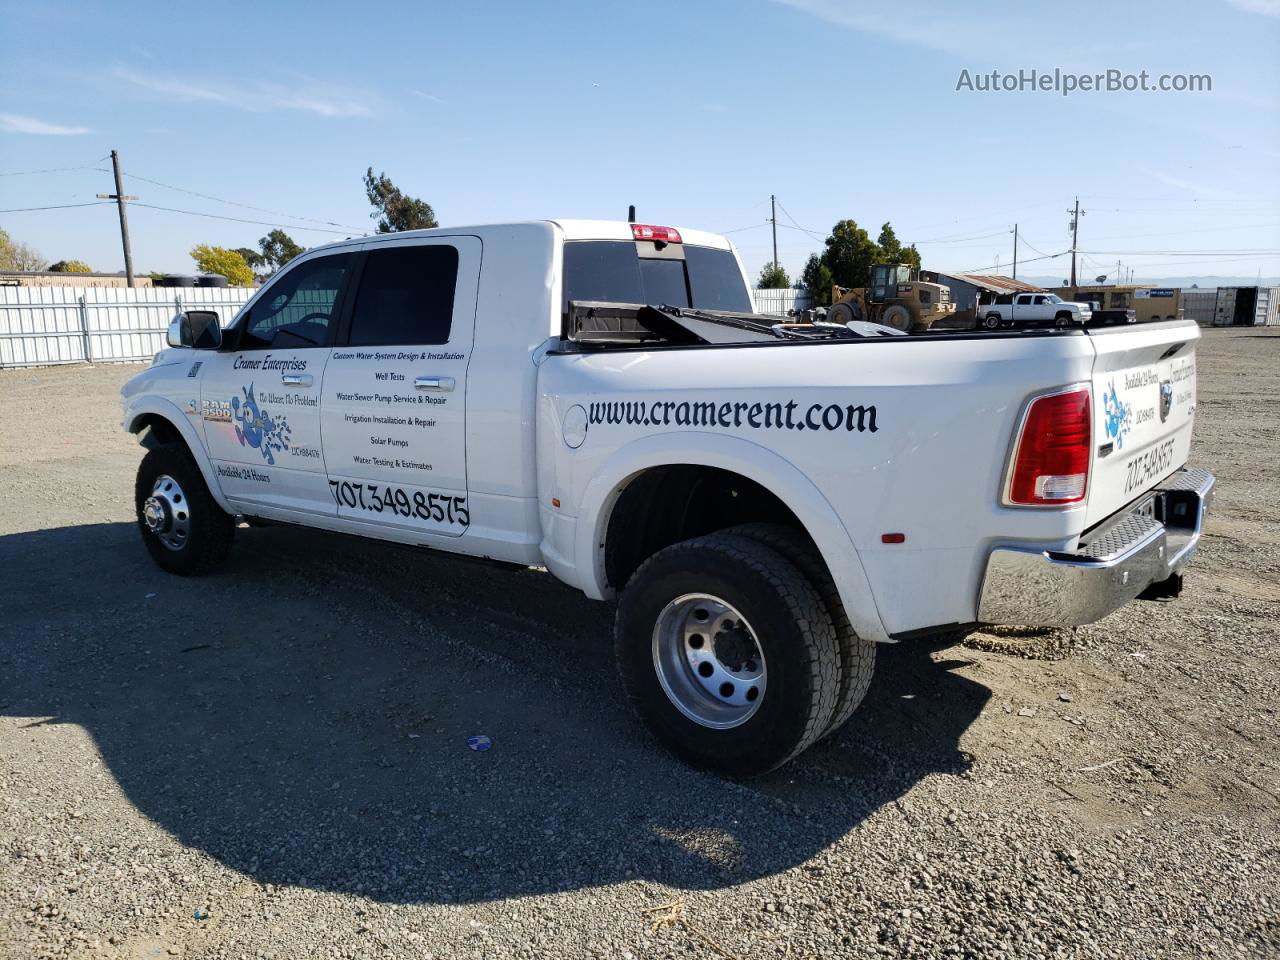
[57,206]
[27,173]
[194,193]
[216,216]
[957,239]
[1256,251]
[994,266]
[246,206]
[1023,240]
[800,228]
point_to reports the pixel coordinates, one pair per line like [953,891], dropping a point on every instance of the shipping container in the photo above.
[1247,307]
[1199,305]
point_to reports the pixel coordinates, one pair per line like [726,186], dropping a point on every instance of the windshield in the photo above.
[612,271]
[1054,298]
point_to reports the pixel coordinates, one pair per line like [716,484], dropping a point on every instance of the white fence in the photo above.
[41,326]
[780,301]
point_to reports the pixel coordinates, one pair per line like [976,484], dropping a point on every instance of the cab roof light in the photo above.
[646,231]
[1051,464]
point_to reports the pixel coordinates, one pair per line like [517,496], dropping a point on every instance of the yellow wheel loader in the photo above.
[893,299]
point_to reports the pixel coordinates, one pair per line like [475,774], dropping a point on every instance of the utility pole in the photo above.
[1117,273]
[1075,234]
[773,219]
[120,199]
[1015,251]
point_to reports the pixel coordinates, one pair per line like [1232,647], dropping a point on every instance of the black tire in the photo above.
[991,321]
[1062,320]
[794,633]
[209,529]
[846,312]
[857,656]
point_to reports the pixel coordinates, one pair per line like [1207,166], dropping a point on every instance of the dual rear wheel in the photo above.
[735,651]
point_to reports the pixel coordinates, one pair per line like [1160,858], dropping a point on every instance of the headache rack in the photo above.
[604,324]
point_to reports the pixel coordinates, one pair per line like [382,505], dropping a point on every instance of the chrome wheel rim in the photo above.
[709,661]
[167,514]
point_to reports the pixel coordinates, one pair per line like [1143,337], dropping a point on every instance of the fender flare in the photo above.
[152,405]
[751,460]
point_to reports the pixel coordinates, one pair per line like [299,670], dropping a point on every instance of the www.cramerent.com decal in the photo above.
[736,415]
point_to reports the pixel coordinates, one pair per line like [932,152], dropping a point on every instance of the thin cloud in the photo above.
[259,98]
[16,123]
[1201,191]
[1268,8]
[430,97]
[910,23]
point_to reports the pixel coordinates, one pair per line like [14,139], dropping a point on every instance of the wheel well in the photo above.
[664,505]
[158,431]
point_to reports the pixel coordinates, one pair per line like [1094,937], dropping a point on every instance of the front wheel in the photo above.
[182,526]
[728,654]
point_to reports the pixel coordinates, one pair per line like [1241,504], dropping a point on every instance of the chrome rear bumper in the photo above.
[1145,544]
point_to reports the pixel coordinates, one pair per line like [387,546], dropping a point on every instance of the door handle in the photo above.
[434,383]
[296,380]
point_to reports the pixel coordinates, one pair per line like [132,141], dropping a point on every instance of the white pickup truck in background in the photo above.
[767,500]
[1032,309]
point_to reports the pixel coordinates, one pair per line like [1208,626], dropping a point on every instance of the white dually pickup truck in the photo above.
[1033,309]
[768,500]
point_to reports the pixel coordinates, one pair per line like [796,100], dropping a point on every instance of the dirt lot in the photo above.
[272,762]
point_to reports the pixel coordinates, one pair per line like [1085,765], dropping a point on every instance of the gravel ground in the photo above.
[272,762]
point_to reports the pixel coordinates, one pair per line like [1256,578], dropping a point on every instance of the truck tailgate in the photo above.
[1144,401]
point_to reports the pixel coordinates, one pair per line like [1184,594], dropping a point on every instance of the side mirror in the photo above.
[198,329]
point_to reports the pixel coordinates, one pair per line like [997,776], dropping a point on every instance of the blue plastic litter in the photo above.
[480,743]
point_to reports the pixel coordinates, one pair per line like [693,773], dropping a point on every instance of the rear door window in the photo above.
[612,271]
[405,296]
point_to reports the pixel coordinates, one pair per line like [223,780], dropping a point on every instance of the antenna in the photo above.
[631,214]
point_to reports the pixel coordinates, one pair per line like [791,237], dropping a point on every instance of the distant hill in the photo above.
[1202,282]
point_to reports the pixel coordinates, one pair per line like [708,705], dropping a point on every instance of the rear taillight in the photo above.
[644,231]
[1051,461]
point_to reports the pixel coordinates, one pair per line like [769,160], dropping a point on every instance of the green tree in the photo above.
[816,278]
[252,257]
[70,266]
[890,247]
[392,209]
[15,255]
[773,277]
[892,250]
[277,249]
[850,254]
[228,263]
